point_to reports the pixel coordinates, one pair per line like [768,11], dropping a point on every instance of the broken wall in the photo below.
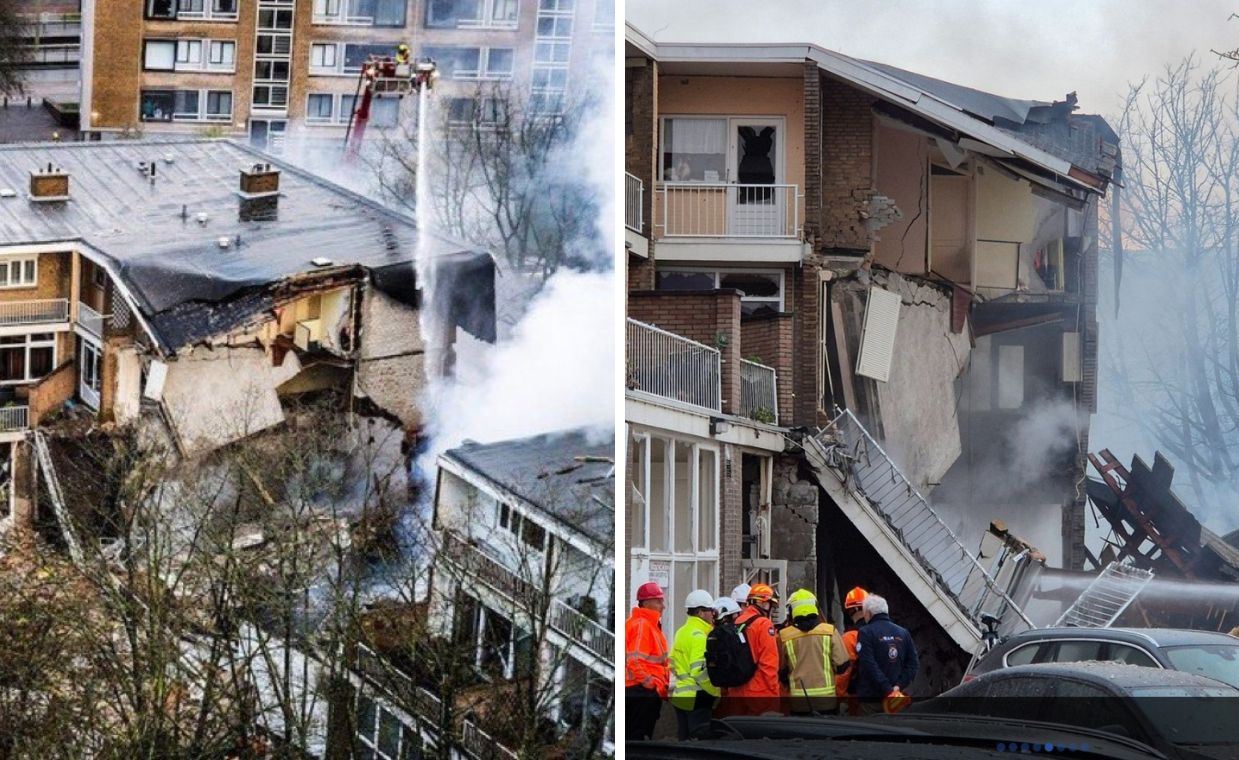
[901,169]
[794,518]
[390,356]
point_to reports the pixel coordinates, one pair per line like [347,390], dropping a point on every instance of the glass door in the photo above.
[88,373]
[756,207]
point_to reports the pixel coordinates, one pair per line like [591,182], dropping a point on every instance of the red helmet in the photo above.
[855,598]
[763,593]
[649,590]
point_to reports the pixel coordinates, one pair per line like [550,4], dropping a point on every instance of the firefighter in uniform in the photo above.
[645,663]
[811,653]
[692,694]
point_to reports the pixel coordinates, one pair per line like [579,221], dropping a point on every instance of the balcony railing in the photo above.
[719,209]
[89,319]
[634,203]
[668,365]
[34,312]
[759,392]
[596,638]
[14,418]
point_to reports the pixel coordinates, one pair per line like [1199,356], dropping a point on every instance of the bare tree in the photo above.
[13,49]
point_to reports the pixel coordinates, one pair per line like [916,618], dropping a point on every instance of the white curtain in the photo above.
[699,136]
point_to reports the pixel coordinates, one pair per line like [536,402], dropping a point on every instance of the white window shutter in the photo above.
[155,378]
[877,344]
[1072,372]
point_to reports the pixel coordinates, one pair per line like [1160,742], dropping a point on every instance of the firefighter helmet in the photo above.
[761,593]
[855,598]
[802,602]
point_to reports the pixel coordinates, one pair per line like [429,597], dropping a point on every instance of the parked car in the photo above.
[1180,715]
[1212,654]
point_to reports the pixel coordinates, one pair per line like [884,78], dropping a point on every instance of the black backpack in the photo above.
[729,661]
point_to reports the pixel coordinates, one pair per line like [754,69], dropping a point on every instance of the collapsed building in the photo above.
[861,329]
[193,287]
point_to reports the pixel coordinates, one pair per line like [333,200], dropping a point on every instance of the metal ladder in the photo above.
[1099,605]
[57,497]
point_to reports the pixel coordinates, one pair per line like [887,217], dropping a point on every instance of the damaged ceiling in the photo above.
[162,236]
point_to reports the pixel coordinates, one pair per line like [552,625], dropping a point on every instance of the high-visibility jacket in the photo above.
[763,688]
[844,680]
[645,663]
[688,664]
[810,657]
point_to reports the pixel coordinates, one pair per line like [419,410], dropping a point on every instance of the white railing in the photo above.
[89,319]
[668,365]
[54,54]
[634,202]
[577,626]
[478,743]
[759,392]
[720,209]
[34,312]
[14,418]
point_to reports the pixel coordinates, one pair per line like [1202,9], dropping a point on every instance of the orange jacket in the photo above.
[849,644]
[645,663]
[764,643]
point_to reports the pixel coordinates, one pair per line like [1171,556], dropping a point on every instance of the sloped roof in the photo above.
[568,475]
[184,283]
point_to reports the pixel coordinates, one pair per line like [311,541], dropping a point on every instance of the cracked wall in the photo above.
[793,523]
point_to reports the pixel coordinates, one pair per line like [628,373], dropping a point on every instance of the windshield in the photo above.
[1217,661]
[1190,714]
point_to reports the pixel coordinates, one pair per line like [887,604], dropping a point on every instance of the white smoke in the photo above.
[1037,443]
[556,371]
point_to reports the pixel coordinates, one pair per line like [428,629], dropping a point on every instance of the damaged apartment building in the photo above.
[196,288]
[861,337]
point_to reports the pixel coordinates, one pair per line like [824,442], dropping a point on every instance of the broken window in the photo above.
[159,55]
[761,292]
[694,150]
[464,621]
[494,649]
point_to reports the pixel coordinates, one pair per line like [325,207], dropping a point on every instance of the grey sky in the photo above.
[1040,50]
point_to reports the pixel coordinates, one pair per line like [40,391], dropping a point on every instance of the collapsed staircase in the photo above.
[56,496]
[904,529]
[1106,597]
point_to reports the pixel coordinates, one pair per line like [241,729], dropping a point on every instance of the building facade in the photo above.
[847,285]
[280,69]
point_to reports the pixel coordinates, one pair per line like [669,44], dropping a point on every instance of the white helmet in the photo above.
[741,593]
[725,605]
[698,598]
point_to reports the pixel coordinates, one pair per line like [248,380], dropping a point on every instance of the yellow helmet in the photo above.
[802,602]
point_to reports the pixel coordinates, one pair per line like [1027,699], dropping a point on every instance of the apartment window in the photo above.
[388,13]
[19,273]
[500,63]
[320,107]
[25,358]
[557,6]
[270,71]
[345,114]
[156,105]
[518,526]
[274,44]
[188,54]
[224,8]
[555,26]
[456,62]
[485,111]
[356,55]
[219,105]
[694,150]
[159,55]
[604,16]
[185,104]
[190,8]
[761,292]
[326,7]
[271,18]
[384,112]
[550,80]
[323,56]
[381,734]
[222,54]
[472,13]
[156,9]
[270,96]
[552,52]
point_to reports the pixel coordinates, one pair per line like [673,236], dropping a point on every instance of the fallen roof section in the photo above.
[163,237]
[569,475]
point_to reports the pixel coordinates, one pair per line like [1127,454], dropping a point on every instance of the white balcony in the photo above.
[634,203]
[667,365]
[90,320]
[47,311]
[14,418]
[759,392]
[722,221]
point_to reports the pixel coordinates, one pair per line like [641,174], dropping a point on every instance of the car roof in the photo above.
[1119,674]
[1159,637]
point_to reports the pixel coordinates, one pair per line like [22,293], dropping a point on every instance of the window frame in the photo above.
[146,45]
[222,65]
[206,113]
[315,119]
[188,44]
[7,263]
[171,92]
[718,273]
[326,69]
[28,345]
[487,18]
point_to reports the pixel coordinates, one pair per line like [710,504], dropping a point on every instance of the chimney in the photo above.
[260,179]
[49,184]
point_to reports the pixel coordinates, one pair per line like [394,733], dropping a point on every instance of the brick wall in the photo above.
[711,317]
[768,340]
[731,517]
[52,279]
[640,157]
[51,392]
[390,361]
[812,150]
[847,165]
